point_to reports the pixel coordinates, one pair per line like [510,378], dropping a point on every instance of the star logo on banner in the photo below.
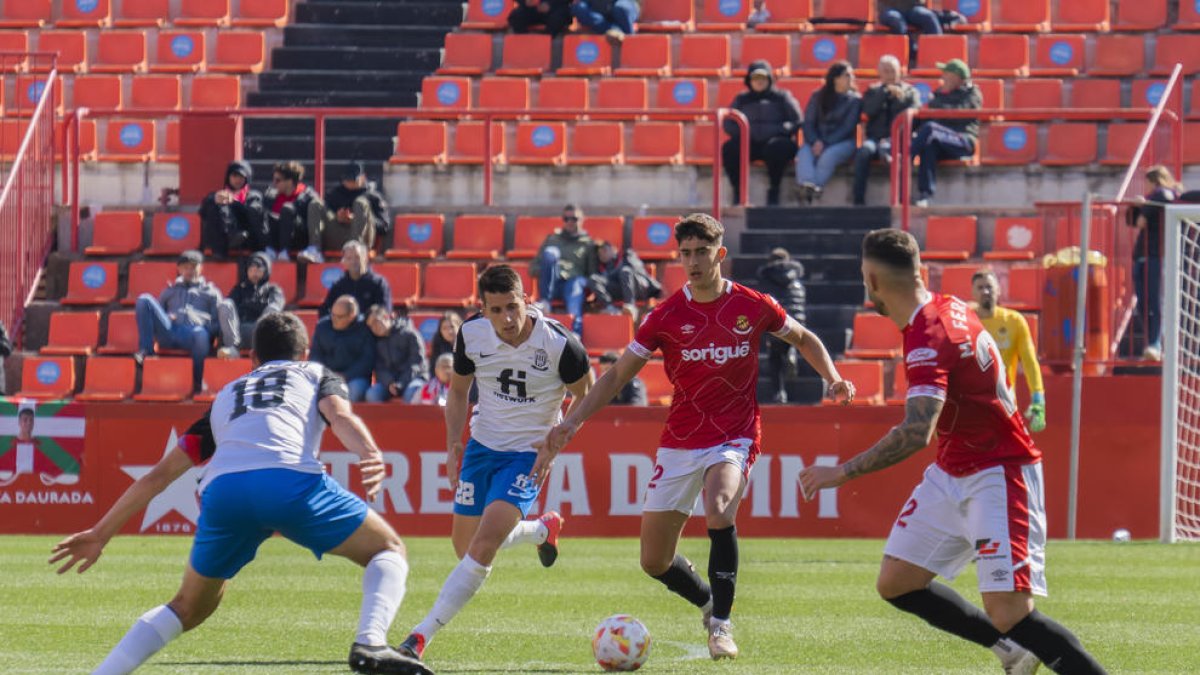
[179,496]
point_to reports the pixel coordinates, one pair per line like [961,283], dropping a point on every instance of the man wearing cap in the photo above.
[184,316]
[353,210]
[774,117]
[232,217]
[949,138]
[252,299]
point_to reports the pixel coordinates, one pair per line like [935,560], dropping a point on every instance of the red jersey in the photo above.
[950,356]
[710,352]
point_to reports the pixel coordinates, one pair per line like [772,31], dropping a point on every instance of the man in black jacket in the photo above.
[555,15]
[781,279]
[621,278]
[286,218]
[774,118]
[399,356]
[946,139]
[884,101]
[232,217]
[252,299]
[358,281]
[353,210]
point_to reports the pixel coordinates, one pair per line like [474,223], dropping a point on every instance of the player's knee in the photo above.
[190,612]
[1005,615]
[889,587]
[655,566]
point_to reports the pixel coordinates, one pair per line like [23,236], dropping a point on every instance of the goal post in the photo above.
[1179,481]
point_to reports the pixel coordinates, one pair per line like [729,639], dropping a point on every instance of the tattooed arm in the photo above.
[915,432]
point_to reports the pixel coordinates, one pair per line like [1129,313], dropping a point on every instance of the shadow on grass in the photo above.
[262,663]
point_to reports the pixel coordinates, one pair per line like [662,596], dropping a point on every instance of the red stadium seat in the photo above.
[149,92]
[585,55]
[606,332]
[174,233]
[859,15]
[446,92]
[654,238]
[525,55]
[622,94]
[148,277]
[203,14]
[1058,56]
[420,142]
[1189,16]
[142,13]
[1141,15]
[467,54]
[818,52]
[239,52]
[170,147]
[956,280]
[992,90]
[120,52]
[1117,56]
[404,279]
[217,374]
[1147,94]
[47,377]
[1027,16]
[468,145]
[261,14]
[530,232]
[72,334]
[774,49]
[179,52]
[867,377]
[659,390]
[1025,288]
[645,56]
[597,143]
[477,237]
[656,143]
[91,283]
[1016,239]
[319,279]
[610,229]
[1172,49]
[504,92]
[801,89]
[703,55]
[936,49]
[977,12]
[1191,144]
[69,45]
[87,140]
[1070,145]
[872,47]
[165,380]
[283,273]
[1037,93]
[417,235]
[108,380]
[215,92]
[128,141]
[1095,94]
[223,275]
[1002,56]
[308,317]
[25,14]
[700,144]
[486,15]
[673,279]
[540,143]
[30,89]
[121,334]
[788,16]
[667,16]
[875,337]
[449,285]
[728,89]
[84,14]
[1010,144]
[562,93]
[949,238]
[1081,16]
[98,92]
[899,393]
[726,16]
[1121,142]
[16,44]
[116,233]
[682,94]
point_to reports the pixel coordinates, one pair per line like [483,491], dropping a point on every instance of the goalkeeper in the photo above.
[1011,332]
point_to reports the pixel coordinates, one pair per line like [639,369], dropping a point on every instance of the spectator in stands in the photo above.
[434,391]
[830,124]
[564,263]
[633,393]
[5,350]
[252,299]
[344,344]
[232,217]
[946,139]
[555,15]
[287,219]
[760,14]
[774,117]
[399,356]
[443,340]
[781,278]
[613,18]
[352,211]
[902,15]
[184,316]
[1011,332]
[1147,254]
[367,287]
[884,101]
[623,278]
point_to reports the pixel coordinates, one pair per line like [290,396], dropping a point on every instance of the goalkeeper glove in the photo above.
[1035,414]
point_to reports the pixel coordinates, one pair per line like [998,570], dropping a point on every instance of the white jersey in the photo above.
[521,389]
[265,419]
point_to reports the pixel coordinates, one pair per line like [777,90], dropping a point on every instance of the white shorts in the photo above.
[679,474]
[996,517]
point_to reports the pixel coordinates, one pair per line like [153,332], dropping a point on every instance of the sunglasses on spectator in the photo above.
[570,219]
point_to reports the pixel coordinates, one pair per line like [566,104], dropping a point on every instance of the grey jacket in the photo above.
[193,304]
[881,108]
[399,356]
[966,97]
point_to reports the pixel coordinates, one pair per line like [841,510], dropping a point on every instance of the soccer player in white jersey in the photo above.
[709,333]
[523,363]
[261,438]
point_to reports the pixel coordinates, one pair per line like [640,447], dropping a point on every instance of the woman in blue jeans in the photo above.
[830,122]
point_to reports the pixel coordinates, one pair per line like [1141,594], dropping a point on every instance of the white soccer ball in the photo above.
[1121,535]
[621,643]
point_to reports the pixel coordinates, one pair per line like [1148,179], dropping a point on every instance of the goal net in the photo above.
[1180,479]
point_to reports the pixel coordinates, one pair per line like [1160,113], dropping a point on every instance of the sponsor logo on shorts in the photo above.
[523,487]
[987,549]
[720,355]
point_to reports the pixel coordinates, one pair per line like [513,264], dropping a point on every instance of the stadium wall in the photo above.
[596,482]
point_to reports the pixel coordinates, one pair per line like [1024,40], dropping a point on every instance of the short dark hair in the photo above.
[894,248]
[280,336]
[293,170]
[24,411]
[609,357]
[985,272]
[500,279]
[779,253]
[700,226]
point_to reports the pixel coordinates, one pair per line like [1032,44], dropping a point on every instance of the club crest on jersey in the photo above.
[541,360]
[742,326]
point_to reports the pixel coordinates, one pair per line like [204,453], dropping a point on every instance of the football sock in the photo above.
[384,582]
[944,609]
[681,578]
[722,570]
[1056,646]
[150,633]
[463,583]
[526,532]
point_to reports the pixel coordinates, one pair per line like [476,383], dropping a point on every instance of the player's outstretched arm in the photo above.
[458,405]
[907,438]
[813,351]
[85,547]
[354,434]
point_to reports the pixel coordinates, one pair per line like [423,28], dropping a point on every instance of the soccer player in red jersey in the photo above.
[982,498]
[709,333]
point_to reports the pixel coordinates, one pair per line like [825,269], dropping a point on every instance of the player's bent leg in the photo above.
[724,484]
[372,537]
[462,531]
[659,538]
[897,577]
[911,588]
[1053,643]
[1007,609]
[499,519]
[197,598]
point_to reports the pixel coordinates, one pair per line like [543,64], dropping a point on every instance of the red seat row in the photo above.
[178,51]
[142,13]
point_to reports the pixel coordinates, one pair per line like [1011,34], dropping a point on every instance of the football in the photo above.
[621,643]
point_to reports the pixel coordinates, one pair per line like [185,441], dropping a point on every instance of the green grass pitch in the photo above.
[804,606]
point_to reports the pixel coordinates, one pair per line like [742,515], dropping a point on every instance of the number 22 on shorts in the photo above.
[658,472]
[909,509]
